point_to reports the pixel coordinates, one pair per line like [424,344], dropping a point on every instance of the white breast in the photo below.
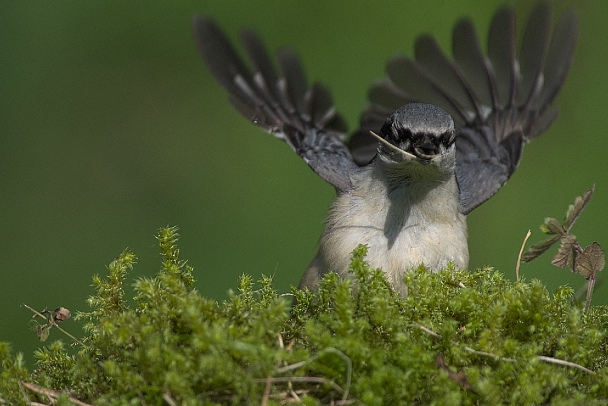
[403,227]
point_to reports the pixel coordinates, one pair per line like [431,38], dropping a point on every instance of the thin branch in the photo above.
[307,379]
[489,354]
[426,330]
[52,394]
[590,285]
[497,357]
[169,399]
[521,252]
[52,322]
[557,361]
[349,365]
[312,379]
[267,388]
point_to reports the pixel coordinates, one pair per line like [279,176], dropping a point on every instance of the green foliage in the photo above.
[12,373]
[457,338]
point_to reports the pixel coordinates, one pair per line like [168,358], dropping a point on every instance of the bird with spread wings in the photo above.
[452,131]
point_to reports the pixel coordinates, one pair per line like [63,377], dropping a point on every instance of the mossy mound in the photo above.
[458,338]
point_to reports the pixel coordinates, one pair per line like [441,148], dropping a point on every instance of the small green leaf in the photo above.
[43,332]
[566,252]
[591,261]
[575,209]
[553,226]
[538,249]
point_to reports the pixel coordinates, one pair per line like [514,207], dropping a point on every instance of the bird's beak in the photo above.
[393,147]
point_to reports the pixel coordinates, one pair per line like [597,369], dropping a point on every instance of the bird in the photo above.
[439,137]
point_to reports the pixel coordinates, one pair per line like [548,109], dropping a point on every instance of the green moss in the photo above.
[457,338]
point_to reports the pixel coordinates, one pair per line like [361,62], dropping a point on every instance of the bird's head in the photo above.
[419,134]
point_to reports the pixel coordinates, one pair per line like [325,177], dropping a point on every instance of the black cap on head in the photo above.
[424,130]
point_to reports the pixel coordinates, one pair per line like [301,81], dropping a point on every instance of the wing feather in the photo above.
[499,100]
[282,103]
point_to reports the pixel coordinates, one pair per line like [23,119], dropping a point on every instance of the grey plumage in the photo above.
[508,96]
[284,105]
[453,130]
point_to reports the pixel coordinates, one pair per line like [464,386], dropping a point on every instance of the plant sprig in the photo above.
[52,318]
[587,262]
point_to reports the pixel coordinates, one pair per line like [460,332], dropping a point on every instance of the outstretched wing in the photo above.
[283,105]
[499,101]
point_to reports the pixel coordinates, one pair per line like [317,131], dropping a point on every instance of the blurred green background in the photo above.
[111,128]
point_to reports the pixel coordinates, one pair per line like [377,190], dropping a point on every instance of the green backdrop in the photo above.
[111,127]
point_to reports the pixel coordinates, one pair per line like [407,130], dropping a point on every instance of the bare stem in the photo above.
[521,251]
[543,358]
[52,323]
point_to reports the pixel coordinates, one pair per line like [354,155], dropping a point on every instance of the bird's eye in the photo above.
[394,135]
[447,138]
[406,134]
[388,131]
